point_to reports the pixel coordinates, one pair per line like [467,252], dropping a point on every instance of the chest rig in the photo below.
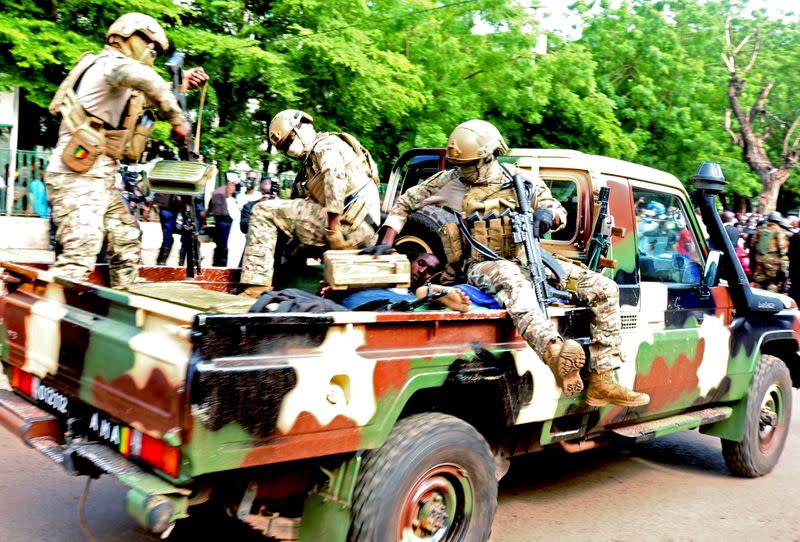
[487,213]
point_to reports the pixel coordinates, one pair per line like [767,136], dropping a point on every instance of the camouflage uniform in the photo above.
[335,173]
[771,248]
[510,283]
[87,208]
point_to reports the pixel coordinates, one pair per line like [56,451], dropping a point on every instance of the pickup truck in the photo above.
[387,426]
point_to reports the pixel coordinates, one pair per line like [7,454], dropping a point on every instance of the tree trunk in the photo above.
[772,182]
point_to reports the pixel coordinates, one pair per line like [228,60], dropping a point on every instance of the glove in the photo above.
[542,221]
[377,250]
[337,241]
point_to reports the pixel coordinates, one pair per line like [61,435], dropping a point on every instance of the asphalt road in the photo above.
[676,488]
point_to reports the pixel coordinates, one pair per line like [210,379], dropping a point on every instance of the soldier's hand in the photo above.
[542,221]
[377,250]
[194,78]
[337,241]
[180,133]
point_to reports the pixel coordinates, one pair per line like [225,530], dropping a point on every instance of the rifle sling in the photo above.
[548,259]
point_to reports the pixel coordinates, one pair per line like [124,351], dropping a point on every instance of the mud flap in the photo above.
[326,512]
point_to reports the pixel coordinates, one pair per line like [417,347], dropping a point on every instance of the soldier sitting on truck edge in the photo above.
[474,147]
[99,91]
[339,207]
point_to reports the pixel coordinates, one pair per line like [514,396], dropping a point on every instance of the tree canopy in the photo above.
[645,82]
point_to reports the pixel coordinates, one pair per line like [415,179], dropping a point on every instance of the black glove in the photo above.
[377,250]
[542,221]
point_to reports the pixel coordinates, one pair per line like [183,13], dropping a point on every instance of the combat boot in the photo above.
[255,291]
[604,390]
[565,359]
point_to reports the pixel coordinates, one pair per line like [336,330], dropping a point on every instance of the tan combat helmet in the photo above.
[284,122]
[131,23]
[474,140]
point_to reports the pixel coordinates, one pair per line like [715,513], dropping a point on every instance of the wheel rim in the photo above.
[771,419]
[438,507]
[413,240]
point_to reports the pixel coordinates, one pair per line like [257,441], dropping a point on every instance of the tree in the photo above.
[754,134]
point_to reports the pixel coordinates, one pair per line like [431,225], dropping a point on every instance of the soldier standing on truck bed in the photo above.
[474,147]
[101,103]
[771,249]
[339,207]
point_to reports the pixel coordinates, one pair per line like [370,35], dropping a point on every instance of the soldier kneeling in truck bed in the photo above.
[474,147]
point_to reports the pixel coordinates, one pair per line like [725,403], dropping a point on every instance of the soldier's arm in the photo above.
[410,201]
[124,72]
[331,165]
[542,198]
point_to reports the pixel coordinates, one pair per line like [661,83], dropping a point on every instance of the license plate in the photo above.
[50,397]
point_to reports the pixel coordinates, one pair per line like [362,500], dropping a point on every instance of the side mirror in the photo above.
[712,268]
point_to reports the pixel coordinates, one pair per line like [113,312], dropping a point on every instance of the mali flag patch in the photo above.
[80,152]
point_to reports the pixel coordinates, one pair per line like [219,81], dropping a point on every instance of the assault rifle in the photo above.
[189,220]
[522,231]
[603,230]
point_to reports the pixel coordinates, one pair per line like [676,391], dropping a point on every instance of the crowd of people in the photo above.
[768,248]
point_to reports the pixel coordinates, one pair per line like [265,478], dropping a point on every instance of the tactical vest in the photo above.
[315,186]
[487,213]
[91,136]
[767,242]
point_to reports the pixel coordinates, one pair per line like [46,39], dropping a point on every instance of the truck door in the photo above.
[682,332]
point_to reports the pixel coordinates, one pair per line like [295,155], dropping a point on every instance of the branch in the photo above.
[788,136]
[743,43]
[752,58]
[737,139]
[759,107]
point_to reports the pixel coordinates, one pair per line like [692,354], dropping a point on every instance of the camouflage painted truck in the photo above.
[393,425]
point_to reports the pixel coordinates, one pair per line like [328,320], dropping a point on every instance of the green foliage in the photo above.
[645,82]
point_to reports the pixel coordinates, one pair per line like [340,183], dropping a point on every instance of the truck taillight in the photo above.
[155,452]
[25,382]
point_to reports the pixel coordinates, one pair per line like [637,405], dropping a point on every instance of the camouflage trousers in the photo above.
[512,287]
[88,210]
[769,273]
[301,219]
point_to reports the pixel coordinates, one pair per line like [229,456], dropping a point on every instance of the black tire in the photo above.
[423,479]
[767,417]
[422,232]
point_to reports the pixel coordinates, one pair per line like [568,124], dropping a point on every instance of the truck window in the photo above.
[565,191]
[666,246]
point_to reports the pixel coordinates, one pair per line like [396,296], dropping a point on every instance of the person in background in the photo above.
[771,246]
[218,208]
[266,193]
[38,194]
[794,264]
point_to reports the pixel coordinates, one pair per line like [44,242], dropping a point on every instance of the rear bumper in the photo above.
[152,501]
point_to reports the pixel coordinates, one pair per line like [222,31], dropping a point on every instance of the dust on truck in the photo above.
[375,426]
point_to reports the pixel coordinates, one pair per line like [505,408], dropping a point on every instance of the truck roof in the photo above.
[595,164]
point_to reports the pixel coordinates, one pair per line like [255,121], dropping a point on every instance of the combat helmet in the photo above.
[474,140]
[130,23]
[284,122]
[775,216]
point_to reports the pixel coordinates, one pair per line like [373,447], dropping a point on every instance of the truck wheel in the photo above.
[421,232]
[432,480]
[767,416]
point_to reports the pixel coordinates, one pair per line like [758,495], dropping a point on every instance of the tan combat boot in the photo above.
[255,291]
[565,359]
[604,390]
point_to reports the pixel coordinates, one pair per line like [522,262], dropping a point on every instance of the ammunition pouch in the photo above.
[87,143]
[452,243]
[315,189]
[137,142]
[115,143]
